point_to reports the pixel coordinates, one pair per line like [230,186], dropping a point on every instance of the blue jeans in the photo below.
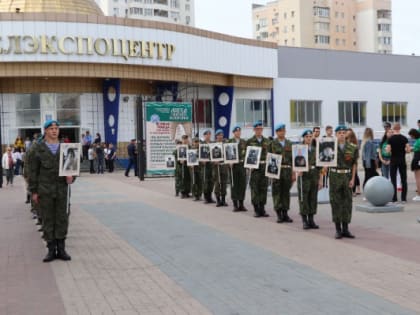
[385,169]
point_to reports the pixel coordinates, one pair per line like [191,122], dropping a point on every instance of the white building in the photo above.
[170,11]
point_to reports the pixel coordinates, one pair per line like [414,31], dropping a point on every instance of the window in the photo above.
[175,4]
[352,113]
[394,112]
[162,13]
[264,35]
[187,7]
[163,2]
[337,28]
[343,29]
[148,1]
[322,12]
[342,15]
[68,109]
[293,28]
[187,20]
[175,15]
[285,42]
[305,113]
[275,21]
[321,39]
[292,14]
[263,22]
[322,26]
[386,40]
[343,42]
[248,111]
[28,110]
[293,42]
[116,11]
[148,12]
[136,11]
[384,27]
[202,113]
[337,42]
[285,29]
[285,15]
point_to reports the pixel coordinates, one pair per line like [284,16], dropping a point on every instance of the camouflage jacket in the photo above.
[285,152]
[264,144]
[241,147]
[348,157]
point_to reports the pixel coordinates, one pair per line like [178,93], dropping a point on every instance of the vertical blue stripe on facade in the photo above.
[111,96]
[223,101]
[272,112]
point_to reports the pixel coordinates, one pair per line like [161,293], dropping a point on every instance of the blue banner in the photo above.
[223,100]
[111,96]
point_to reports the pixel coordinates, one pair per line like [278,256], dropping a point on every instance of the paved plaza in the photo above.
[137,249]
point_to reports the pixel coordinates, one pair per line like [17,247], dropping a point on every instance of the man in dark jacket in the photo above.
[132,154]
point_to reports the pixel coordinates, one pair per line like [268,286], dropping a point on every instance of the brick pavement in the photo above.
[137,249]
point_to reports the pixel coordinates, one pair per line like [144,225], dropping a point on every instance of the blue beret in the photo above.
[307,132]
[218,131]
[206,132]
[48,123]
[236,128]
[258,123]
[280,127]
[341,128]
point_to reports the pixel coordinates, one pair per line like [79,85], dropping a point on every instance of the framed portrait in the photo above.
[300,157]
[204,152]
[170,162]
[69,159]
[326,152]
[252,157]
[181,151]
[192,157]
[216,152]
[231,153]
[273,165]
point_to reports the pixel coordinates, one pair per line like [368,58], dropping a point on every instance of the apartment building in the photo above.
[354,25]
[170,11]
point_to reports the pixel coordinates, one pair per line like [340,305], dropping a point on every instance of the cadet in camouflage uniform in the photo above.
[258,180]
[50,191]
[281,187]
[308,185]
[206,172]
[238,187]
[197,186]
[185,178]
[178,173]
[341,183]
[220,175]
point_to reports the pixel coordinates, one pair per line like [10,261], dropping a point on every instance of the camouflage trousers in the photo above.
[196,180]
[207,178]
[280,190]
[185,184]
[259,183]
[308,192]
[238,187]
[55,220]
[340,197]
[220,179]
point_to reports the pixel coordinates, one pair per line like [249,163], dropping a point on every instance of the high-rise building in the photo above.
[171,11]
[356,25]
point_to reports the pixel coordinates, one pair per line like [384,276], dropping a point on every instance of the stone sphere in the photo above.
[378,191]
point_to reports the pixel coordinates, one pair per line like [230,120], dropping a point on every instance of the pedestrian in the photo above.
[132,158]
[111,156]
[91,157]
[369,155]
[398,146]
[185,182]
[308,185]
[197,183]
[220,175]
[281,187]
[352,138]
[100,158]
[98,138]
[87,144]
[384,153]
[17,156]
[415,163]
[328,131]
[177,172]
[316,132]
[105,147]
[258,180]
[51,191]
[206,171]
[342,179]
[238,187]
[19,144]
[8,163]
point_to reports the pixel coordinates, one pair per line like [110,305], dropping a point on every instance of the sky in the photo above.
[234,17]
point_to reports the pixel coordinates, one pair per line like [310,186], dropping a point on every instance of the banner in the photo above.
[165,124]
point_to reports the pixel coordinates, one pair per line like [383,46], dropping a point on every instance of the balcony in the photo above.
[161,13]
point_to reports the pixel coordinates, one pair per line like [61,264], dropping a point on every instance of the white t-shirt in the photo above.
[90,154]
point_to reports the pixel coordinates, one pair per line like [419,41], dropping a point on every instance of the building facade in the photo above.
[170,11]
[353,25]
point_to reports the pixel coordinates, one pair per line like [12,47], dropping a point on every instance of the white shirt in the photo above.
[90,154]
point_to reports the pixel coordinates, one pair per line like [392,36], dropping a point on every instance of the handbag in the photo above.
[324,195]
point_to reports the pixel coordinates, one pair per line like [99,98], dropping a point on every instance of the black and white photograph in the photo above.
[216,152]
[204,152]
[181,151]
[231,153]
[273,165]
[252,157]
[300,157]
[192,157]
[170,162]
[326,152]
[69,159]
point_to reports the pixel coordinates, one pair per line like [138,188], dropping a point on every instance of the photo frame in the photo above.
[231,153]
[69,159]
[300,157]
[252,157]
[326,152]
[181,152]
[192,157]
[273,165]
[216,152]
[170,162]
[204,152]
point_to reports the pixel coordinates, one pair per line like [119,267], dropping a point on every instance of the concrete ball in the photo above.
[378,191]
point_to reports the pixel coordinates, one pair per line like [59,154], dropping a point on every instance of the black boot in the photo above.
[209,199]
[197,198]
[235,206]
[218,202]
[177,194]
[241,206]
[28,198]
[311,222]
[280,218]
[224,203]
[286,217]
[51,255]
[346,232]
[257,211]
[61,250]
[305,222]
[338,233]
[263,213]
